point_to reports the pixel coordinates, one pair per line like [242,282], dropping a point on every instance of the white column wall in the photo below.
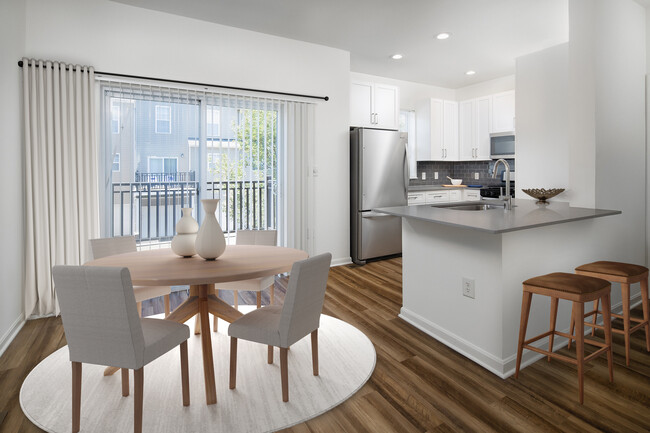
[114,37]
[12,46]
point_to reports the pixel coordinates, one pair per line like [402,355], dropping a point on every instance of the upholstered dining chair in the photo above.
[249,237]
[284,325]
[103,247]
[102,327]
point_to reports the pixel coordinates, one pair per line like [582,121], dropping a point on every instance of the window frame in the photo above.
[162,158]
[116,104]
[118,162]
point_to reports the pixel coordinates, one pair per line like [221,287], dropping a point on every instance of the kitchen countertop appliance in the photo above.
[378,178]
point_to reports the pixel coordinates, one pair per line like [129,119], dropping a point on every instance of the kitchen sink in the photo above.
[474,206]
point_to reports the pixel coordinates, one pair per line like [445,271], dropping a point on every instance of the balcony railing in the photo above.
[150,210]
[181,176]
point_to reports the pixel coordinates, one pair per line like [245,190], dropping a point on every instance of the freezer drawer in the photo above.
[380,235]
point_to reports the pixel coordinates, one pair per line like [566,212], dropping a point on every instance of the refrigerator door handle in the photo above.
[407,174]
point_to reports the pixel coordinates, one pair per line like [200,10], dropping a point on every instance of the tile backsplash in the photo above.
[459,170]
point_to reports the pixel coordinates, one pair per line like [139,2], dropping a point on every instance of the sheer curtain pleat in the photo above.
[61,206]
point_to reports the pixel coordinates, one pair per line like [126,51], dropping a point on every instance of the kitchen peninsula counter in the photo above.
[525,214]
[495,251]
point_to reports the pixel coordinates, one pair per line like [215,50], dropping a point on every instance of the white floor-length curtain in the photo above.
[61,200]
[299,188]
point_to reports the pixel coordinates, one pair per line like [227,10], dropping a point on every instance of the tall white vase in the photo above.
[210,241]
[186,229]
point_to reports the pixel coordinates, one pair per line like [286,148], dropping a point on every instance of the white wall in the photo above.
[410,93]
[114,37]
[12,46]
[542,125]
[498,85]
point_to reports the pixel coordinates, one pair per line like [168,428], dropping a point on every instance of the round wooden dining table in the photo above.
[161,267]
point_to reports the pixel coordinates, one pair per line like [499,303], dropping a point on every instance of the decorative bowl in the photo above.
[542,194]
[456,181]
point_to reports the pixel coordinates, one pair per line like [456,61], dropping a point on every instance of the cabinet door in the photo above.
[466,130]
[437,127]
[437,197]
[503,112]
[450,131]
[361,104]
[455,195]
[471,195]
[416,198]
[386,106]
[483,128]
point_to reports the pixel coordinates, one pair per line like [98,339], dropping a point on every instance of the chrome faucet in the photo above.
[507,199]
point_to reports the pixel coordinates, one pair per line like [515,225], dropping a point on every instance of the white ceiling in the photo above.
[486,35]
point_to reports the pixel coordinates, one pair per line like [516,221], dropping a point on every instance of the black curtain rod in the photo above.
[192,83]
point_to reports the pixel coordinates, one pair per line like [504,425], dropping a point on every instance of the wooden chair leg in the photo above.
[572,326]
[185,375]
[607,322]
[553,319]
[138,391]
[314,352]
[125,382]
[139,306]
[259,299]
[625,292]
[523,324]
[284,374]
[593,328]
[76,396]
[646,313]
[197,325]
[215,320]
[578,312]
[167,305]
[233,362]
[236,301]
[272,294]
[269,357]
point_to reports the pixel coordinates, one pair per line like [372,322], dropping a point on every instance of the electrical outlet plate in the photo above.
[476,176]
[435,175]
[469,288]
[424,175]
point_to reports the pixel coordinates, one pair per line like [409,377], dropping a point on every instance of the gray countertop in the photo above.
[525,214]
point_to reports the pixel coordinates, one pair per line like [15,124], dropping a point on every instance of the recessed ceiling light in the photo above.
[396,56]
[442,36]
[470,72]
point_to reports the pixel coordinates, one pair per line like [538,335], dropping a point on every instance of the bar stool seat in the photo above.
[578,289]
[625,274]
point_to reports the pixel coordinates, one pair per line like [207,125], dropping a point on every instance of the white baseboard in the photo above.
[501,367]
[341,261]
[11,333]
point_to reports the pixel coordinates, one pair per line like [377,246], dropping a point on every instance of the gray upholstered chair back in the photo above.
[257,237]
[99,314]
[104,247]
[303,302]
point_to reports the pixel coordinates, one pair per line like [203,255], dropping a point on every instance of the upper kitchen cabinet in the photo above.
[474,129]
[503,112]
[374,105]
[437,131]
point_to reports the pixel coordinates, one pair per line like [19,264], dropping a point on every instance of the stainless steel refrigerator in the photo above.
[378,178]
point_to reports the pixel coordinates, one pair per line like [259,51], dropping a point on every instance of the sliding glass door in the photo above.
[165,149]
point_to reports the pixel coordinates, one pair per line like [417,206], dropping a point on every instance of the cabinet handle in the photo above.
[376,118]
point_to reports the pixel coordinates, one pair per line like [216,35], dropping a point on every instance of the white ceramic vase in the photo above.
[210,241]
[186,229]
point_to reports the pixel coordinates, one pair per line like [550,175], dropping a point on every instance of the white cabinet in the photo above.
[416,198]
[374,105]
[455,195]
[471,195]
[437,196]
[503,112]
[474,129]
[437,130]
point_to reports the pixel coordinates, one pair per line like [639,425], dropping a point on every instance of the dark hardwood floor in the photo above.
[419,385]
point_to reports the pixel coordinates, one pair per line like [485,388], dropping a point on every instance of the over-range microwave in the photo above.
[502,145]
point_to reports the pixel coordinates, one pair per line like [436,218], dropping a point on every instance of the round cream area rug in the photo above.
[346,357]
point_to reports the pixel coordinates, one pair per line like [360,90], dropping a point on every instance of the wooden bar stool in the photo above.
[626,274]
[578,289]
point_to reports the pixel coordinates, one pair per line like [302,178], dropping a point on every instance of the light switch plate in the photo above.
[424,175]
[435,175]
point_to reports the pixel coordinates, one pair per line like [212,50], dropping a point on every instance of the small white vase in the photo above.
[187,224]
[186,229]
[210,241]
